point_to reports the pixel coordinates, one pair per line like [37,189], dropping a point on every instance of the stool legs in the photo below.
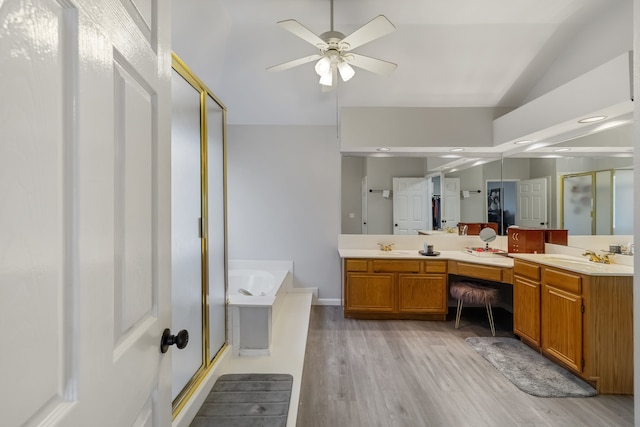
[458,312]
[490,315]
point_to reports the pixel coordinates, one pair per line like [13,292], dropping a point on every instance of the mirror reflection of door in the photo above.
[577,203]
[532,203]
[410,207]
[451,202]
[364,204]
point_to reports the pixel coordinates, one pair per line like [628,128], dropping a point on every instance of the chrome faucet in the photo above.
[604,259]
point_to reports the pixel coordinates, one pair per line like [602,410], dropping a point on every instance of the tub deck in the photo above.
[288,347]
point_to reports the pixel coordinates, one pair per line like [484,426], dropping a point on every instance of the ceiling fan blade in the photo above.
[294,63]
[374,65]
[376,28]
[297,29]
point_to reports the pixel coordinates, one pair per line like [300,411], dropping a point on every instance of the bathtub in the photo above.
[251,316]
[258,283]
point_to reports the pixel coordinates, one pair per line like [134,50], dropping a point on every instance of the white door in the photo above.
[364,205]
[85,219]
[451,202]
[532,203]
[410,212]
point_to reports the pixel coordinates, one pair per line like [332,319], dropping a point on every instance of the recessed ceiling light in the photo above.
[524,141]
[453,150]
[557,150]
[592,119]
[384,149]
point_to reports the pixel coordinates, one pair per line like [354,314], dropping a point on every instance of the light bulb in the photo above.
[327,79]
[323,66]
[346,71]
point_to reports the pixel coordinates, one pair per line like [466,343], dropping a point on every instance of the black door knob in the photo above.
[181,339]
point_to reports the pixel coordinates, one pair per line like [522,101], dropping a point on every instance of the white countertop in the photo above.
[577,264]
[566,262]
[495,260]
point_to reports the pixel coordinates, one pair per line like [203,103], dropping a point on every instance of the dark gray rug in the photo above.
[529,370]
[247,400]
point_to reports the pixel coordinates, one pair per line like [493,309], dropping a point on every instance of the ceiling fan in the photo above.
[335,55]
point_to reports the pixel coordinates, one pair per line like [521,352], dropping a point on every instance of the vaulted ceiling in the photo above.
[463,53]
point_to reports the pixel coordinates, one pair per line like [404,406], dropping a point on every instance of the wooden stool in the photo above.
[474,293]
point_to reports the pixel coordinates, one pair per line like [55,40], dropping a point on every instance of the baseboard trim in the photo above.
[327,301]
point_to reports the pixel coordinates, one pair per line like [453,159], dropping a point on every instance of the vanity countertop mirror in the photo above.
[605,158]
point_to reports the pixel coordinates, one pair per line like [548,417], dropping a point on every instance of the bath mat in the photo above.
[246,400]
[529,370]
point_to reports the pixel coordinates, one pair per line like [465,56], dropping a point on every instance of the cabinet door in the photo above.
[526,309]
[367,292]
[562,326]
[423,293]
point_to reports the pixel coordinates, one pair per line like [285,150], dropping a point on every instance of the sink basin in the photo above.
[395,253]
[568,259]
[575,262]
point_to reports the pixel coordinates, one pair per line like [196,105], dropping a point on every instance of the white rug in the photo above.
[529,370]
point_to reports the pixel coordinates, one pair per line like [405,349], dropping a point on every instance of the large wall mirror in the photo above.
[585,180]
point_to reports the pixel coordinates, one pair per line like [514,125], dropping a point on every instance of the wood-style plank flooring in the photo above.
[364,373]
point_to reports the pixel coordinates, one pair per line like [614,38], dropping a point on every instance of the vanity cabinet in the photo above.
[562,323]
[395,289]
[532,240]
[524,240]
[581,321]
[526,302]
[478,271]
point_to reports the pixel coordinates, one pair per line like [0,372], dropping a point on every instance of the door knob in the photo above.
[181,339]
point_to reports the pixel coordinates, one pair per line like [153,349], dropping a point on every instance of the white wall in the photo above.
[636,205]
[373,127]
[609,35]
[380,172]
[284,200]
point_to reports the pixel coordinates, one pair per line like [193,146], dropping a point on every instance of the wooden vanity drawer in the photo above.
[480,271]
[563,280]
[395,266]
[522,268]
[435,266]
[356,265]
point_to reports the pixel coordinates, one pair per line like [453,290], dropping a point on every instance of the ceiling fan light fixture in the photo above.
[346,71]
[327,79]
[323,66]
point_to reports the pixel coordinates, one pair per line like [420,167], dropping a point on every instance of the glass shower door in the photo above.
[577,204]
[186,242]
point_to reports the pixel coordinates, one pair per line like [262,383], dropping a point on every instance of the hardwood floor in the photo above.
[422,373]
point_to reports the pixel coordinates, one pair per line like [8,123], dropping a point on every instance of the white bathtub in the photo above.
[251,316]
[260,283]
